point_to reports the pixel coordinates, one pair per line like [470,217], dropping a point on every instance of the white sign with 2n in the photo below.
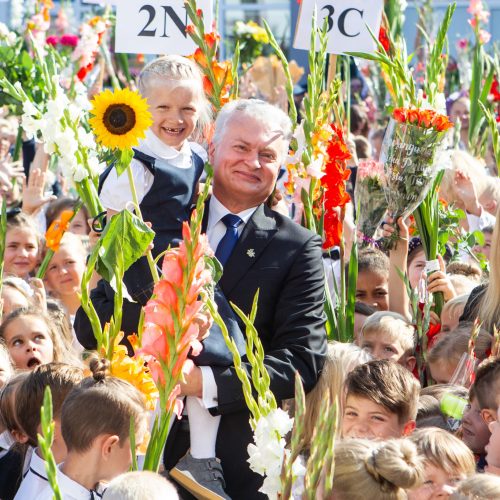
[347,22]
[156,26]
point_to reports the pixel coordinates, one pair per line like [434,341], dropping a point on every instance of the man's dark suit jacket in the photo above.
[284,262]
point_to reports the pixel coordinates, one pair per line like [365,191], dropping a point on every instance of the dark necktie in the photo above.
[228,242]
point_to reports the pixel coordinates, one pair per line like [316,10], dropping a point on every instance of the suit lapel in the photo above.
[257,234]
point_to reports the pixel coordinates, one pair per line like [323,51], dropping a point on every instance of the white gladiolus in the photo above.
[267,452]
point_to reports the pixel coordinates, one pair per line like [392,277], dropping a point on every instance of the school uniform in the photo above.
[11,466]
[70,490]
[34,479]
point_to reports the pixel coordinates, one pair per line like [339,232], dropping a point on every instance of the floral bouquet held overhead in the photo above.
[409,152]
[370,195]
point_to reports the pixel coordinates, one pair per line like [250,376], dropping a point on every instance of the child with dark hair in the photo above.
[372,286]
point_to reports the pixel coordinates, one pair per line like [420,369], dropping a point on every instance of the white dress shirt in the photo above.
[216,229]
[116,193]
[35,480]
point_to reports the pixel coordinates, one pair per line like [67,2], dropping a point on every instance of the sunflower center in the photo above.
[119,119]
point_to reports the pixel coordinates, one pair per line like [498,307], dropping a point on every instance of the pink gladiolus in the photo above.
[462,43]
[69,40]
[477,9]
[484,36]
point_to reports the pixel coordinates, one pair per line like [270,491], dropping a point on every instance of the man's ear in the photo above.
[488,415]
[107,444]
[409,427]
[211,152]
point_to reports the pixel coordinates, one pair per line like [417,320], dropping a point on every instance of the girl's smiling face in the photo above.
[29,342]
[415,268]
[21,251]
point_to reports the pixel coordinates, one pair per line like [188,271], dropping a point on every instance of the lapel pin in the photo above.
[251,252]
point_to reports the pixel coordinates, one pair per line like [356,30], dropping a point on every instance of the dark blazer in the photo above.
[284,262]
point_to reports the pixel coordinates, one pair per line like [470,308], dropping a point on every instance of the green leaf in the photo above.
[124,233]
[26,60]
[479,238]
[123,159]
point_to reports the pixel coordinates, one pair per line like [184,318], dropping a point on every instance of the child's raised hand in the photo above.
[404,233]
[34,196]
[440,282]
[39,294]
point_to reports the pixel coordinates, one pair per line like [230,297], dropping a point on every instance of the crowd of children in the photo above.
[397,439]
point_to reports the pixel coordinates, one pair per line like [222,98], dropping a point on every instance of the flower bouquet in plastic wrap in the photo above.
[369,196]
[409,152]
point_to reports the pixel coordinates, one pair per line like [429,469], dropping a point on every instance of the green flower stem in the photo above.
[149,256]
[45,440]
[3,233]
[19,142]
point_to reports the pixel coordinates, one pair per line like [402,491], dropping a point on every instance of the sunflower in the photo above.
[120,118]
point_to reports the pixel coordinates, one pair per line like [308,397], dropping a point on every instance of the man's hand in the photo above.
[193,381]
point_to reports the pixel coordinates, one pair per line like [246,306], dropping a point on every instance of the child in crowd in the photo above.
[478,487]
[373,275]
[381,401]
[430,413]
[464,277]
[452,310]
[447,461]
[361,312]
[79,224]
[64,273]
[375,470]
[32,339]
[387,335]
[446,353]
[143,485]
[98,442]
[486,388]
[341,359]
[61,379]
[13,439]
[6,368]
[16,293]
[22,246]
[485,248]
[474,431]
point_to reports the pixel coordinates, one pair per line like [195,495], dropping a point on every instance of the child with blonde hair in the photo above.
[387,335]
[95,424]
[376,470]
[32,339]
[478,487]
[381,400]
[340,360]
[61,379]
[65,271]
[6,368]
[140,485]
[446,353]
[452,310]
[447,461]
[22,246]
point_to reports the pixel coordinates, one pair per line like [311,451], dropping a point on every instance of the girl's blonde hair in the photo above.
[443,450]
[489,308]
[63,351]
[451,346]
[175,67]
[5,361]
[22,220]
[478,487]
[393,324]
[455,306]
[376,470]
[340,360]
[117,401]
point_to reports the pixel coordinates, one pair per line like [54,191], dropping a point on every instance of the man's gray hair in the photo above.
[268,114]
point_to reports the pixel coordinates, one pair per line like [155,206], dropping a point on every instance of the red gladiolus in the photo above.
[333,182]
[212,38]
[199,13]
[190,29]
[384,39]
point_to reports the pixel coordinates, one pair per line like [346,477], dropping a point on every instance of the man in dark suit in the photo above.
[269,253]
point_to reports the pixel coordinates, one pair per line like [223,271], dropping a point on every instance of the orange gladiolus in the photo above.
[57,229]
[212,38]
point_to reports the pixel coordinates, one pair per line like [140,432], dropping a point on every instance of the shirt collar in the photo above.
[38,464]
[152,144]
[217,210]
[71,489]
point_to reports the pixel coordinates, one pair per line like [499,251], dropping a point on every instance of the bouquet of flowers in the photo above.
[409,151]
[370,198]
[251,38]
